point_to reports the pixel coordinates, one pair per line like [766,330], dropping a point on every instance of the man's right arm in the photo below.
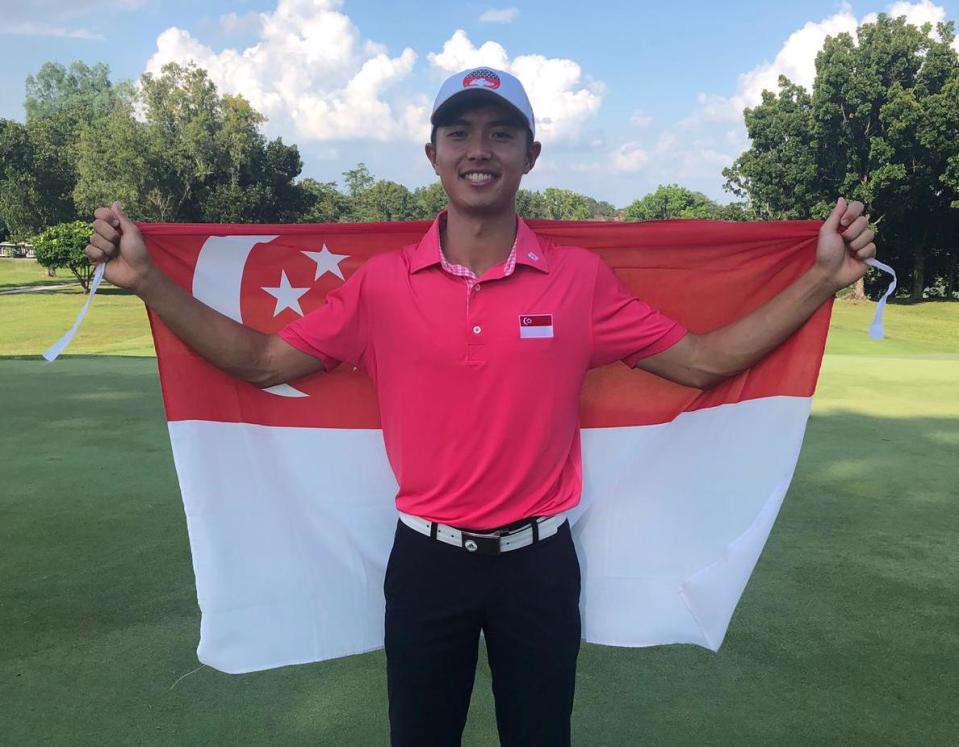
[263,360]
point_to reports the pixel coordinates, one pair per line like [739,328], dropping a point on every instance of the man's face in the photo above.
[481,157]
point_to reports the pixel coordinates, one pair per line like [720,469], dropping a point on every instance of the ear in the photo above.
[532,153]
[431,155]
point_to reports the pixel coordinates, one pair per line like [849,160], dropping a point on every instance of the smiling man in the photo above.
[478,339]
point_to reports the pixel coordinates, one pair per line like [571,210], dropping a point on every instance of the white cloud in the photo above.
[311,73]
[499,15]
[915,13]
[563,98]
[640,119]
[629,158]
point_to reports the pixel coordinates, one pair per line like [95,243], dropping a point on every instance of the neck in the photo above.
[478,242]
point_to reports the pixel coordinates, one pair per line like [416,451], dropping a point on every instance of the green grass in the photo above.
[928,329]
[847,633]
[116,324]
[24,272]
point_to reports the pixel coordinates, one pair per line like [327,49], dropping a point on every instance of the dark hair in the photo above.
[456,112]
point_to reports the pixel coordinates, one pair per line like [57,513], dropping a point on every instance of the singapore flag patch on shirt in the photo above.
[535,325]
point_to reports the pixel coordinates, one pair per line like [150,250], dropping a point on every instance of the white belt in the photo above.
[487,543]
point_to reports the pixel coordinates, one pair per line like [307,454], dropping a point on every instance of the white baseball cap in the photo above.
[484,81]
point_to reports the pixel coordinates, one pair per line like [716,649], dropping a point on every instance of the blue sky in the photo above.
[629,94]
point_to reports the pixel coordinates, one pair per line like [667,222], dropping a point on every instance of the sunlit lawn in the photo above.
[18,272]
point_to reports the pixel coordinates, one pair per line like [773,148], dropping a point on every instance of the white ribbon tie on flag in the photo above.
[53,352]
[876,329]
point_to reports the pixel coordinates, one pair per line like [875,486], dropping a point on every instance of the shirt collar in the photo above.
[530,250]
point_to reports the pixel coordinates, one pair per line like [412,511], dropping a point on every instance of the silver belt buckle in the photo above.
[480,544]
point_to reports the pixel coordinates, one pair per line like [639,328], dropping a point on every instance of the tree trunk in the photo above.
[951,277]
[859,289]
[918,273]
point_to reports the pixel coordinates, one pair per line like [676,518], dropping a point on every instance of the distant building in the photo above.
[20,249]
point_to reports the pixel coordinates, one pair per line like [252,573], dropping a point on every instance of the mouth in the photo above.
[479,178]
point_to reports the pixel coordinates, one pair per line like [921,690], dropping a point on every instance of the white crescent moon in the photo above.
[217,279]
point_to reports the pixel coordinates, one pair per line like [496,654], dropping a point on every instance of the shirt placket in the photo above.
[475,346]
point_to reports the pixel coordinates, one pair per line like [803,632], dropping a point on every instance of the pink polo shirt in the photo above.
[479,384]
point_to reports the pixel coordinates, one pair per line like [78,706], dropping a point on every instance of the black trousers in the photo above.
[526,602]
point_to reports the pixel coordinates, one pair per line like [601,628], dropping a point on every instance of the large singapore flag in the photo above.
[288,493]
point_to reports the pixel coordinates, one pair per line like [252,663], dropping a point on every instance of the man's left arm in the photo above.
[702,360]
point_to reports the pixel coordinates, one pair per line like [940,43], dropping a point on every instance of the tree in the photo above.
[62,246]
[323,202]
[429,201]
[384,201]
[672,201]
[565,204]
[80,92]
[600,209]
[195,156]
[38,158]
[358,180]
[21,204]
[530,204]
[61,103]
[115,161]
[881,126]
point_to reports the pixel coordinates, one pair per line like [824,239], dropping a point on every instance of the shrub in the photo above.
[62,245]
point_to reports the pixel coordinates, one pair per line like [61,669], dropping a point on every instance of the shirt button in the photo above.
[477,286]
[477,329]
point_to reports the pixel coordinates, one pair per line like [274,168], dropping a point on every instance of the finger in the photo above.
[125,223]
[107,247]
[861,240]
[106,214]
[858,226]
[867,252]
[853,211]
[104,229]
[94,255]
[832,222]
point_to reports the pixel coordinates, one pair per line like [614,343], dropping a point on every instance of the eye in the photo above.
[456,133]
[502,135]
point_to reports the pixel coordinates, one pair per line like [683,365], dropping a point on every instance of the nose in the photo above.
[477,148]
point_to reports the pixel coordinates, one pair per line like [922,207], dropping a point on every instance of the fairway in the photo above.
[20,273]
[847,633]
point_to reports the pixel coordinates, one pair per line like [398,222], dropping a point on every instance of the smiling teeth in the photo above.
[479,178]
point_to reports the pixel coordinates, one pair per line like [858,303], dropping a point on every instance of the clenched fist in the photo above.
[845,243]
[117,241]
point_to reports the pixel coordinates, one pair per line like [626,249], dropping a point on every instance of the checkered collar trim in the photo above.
[527,249]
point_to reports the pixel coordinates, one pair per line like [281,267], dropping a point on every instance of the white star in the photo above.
[287,297]
[326,261]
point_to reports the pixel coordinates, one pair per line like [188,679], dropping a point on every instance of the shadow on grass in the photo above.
[11,284]
[68,288]
[847,633]
[906,301]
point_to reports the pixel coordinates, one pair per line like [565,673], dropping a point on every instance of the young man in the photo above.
[485,469]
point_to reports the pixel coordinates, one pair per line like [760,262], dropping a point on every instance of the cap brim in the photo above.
[479,93]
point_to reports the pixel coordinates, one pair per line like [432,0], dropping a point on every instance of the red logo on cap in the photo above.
[481,78]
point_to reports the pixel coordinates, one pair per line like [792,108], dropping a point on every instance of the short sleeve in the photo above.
[625,328]
[337,330]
